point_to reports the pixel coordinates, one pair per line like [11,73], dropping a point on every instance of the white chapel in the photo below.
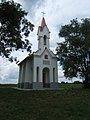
[39,69]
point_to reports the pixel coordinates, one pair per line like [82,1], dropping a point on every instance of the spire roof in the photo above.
[43,23]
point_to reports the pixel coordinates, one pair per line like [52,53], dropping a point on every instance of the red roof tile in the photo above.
[43,23]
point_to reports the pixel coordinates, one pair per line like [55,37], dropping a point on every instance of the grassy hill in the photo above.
[72,102]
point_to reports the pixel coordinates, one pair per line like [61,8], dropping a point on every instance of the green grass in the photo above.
[8,85]
[70,86]
[69,103]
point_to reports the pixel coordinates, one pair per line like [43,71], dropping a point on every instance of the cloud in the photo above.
[61,74]
[8,71]
[58,12]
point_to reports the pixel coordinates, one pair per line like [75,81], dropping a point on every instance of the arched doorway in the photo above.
[46,77]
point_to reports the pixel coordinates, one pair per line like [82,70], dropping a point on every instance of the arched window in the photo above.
[37,73]
[53,74]
[45,37]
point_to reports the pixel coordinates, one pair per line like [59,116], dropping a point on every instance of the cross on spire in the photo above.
[43,13]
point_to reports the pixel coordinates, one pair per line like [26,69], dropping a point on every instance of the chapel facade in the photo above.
[39,69]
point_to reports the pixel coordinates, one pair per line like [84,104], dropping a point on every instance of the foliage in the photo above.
[64,104]
[74,52]
[69,86]
[77,82]
[14,28]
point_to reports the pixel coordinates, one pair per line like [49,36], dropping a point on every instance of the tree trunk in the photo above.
[86,82]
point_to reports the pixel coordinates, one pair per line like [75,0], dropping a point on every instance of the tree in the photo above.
[14,28]
[74,52]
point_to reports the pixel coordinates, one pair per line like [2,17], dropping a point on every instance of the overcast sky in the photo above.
[58,12]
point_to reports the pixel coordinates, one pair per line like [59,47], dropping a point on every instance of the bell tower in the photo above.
[43,35]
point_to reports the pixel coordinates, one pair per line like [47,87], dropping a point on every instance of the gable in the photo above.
[45,51]
[49,52]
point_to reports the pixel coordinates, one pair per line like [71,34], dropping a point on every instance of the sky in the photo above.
[58,13]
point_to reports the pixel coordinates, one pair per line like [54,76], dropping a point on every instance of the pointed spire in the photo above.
[43,23]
